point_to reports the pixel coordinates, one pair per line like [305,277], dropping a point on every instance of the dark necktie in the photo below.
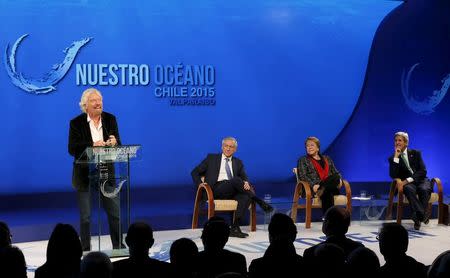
[227,169]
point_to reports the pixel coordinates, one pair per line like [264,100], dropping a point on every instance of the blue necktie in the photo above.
[227,169]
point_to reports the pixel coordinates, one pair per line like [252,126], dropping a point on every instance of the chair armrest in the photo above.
[305,185]
[440,190]
[348,189]
[209,193]
[398,185]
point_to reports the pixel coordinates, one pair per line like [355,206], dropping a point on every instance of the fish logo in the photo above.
[48,82]
[426,106]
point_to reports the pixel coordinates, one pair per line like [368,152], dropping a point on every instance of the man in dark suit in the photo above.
[228,180]
[93,127]
[407,165]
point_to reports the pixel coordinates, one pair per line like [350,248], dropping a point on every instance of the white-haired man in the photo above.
[407,164]
[226,175]
[93,127]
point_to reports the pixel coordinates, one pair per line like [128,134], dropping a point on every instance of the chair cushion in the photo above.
[339,200]
[225,205]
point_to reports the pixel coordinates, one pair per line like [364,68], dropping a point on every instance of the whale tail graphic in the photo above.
[47,83]
[426,106]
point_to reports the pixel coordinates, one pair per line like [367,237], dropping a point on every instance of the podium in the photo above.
[110,183]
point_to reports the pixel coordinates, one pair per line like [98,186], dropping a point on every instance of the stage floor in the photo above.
[424,245]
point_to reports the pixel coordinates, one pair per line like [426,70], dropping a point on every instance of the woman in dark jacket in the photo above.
[319,171]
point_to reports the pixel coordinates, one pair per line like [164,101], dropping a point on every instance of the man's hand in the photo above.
[99,143]
[247,185]
[397,153]
[316,187]
[111,141]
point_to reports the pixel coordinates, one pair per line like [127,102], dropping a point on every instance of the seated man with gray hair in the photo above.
[408,166]
[226,175]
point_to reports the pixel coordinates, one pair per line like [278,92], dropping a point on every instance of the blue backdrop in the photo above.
[281,71]
[405,87]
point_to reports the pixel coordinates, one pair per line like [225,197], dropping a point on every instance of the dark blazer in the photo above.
[210,168]
[307,172]
[400,171]
[80,138]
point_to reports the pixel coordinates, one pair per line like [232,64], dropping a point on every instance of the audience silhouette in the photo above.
[393,242]
[64,253]
[12,263]
[335,226]
[96,265]
[329,261]
[337,256]
[214,259]
[139,240]
[280,258]
[441,266]
[363,262]
[184,257]
[5,235]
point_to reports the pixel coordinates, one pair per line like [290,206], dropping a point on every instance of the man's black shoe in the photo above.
[426,218]
[416,225]
[235,231]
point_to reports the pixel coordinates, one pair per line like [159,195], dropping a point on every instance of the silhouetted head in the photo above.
[5,235]
[441,266]
[64,246]
[336,221]
[139,238]
[329,259]
[282,228]
[12,263]
[183,252]
[96,265]
[215,234]
[393,240]
[362,261]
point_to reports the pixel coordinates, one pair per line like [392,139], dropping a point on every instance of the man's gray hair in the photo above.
[230,139]
[404,135]
[85,97]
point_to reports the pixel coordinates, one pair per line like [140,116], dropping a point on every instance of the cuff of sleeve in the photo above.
[410,180]
[396,160]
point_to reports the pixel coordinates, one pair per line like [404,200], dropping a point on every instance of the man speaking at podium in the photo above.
[91,128]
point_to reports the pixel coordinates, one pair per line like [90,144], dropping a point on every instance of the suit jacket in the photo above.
[80,138]
[307,172]
[400,171]
[210,168]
